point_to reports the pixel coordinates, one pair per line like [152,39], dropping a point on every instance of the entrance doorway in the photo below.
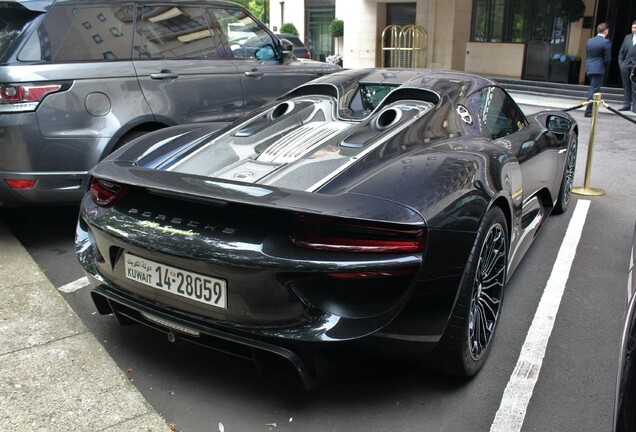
[401,15]
[319,15]
[619,15]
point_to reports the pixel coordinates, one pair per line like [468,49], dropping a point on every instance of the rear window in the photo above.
[294,40]
[71,33]
[13,21]
[367,97]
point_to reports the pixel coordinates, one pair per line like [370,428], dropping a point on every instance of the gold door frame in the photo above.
[407,46]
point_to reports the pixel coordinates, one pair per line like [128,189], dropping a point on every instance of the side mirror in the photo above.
[266,52]
[286,48]
[558,125]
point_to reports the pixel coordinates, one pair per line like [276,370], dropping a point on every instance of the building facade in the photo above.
[508,38]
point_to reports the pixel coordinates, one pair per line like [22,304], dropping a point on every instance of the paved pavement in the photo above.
[54,374]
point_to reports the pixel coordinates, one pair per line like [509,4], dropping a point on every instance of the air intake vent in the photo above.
[281,110]
[387,118]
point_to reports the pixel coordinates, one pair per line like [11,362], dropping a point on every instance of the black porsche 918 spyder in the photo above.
[371,210]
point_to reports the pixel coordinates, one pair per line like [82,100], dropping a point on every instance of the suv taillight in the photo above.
[344,235]
[26,97]
[20,183]
[105,192]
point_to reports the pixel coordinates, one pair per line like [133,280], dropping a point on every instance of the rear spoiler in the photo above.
[222,192]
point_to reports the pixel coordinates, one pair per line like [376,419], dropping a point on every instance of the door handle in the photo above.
[254,73]
[164,74]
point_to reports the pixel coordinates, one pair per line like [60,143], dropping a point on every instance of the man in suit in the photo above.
[598,54]
[626,62]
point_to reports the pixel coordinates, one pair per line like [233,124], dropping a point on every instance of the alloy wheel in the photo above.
[487,292]
[569,173]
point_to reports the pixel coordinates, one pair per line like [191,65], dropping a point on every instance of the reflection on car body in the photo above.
[362,212]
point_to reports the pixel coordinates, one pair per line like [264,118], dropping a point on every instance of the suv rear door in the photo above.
[184,71]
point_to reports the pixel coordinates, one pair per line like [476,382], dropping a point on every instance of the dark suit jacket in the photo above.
[598,51]
[627,53]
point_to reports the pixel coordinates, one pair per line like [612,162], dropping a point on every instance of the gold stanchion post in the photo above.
[586,189]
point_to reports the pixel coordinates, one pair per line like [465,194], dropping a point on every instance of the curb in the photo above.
[54,374]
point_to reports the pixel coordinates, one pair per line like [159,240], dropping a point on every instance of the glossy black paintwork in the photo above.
[625,406]
[436,166]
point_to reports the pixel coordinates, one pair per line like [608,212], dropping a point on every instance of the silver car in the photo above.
[79,79]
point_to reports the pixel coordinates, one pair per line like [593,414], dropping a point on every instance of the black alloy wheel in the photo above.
[487,292]
[565,192]
[465,345]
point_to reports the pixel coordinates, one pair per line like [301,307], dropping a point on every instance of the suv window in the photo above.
[176,32]
[73,33]
[246,37]
[12,22]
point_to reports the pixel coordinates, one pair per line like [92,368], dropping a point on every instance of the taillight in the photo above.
[308,54]
[20,183]
[105,192]
[335,234]
[20,98]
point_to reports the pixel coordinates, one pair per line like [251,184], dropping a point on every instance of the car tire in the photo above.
[567,181]
[465,345]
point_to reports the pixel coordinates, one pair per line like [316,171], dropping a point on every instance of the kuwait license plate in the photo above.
[203,289]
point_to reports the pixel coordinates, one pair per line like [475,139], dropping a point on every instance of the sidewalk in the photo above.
[558,102]
[54,374]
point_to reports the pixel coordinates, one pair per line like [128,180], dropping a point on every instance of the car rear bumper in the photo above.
[49,188]
[131,310]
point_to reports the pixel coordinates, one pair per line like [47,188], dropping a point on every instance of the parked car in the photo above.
[81,78]
[625,406]
[379,211]
[300,50]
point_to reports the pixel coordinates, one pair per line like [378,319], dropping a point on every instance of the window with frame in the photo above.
[497,111]
[246,38]
[70,34]
[165,32]
[517,21]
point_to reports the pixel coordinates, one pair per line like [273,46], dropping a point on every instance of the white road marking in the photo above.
[75,285]
[629,275]
[514,403]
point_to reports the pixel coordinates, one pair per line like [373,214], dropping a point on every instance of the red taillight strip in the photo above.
[334,234]
[20,183]
[105,192]
[26,97]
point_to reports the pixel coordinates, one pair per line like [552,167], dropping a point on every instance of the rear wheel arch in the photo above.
[133,133]
[461,351]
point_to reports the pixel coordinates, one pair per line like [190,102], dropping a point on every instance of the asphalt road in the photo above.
[201,390]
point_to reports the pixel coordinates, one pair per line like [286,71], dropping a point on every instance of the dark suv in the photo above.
[79,79]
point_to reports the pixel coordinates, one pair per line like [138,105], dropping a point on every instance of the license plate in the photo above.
[197,287]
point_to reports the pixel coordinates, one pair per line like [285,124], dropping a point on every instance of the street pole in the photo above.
[586,189]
